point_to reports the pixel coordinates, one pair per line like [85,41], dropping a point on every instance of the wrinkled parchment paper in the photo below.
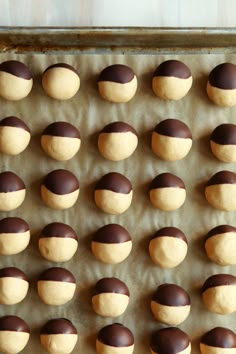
[90,113]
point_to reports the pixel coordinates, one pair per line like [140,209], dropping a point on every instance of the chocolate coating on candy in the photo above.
[221,229]
[110,285]
[14,122]
[115,182]
[165,180]
[173,68]
[62,65]
[112,233]
[16,68]
[58,229]
[62,129]
[219,337]
[219,280]
[117,73]
[173,128]
[118,127]
[222,177]
[13,324]
[224,134]
[58,326]
[12,272]
[13,225]
[10,182]
[171,295]
[116,335]
[223,76]
[170,232]
[61,182]
[57,274]
[169,341]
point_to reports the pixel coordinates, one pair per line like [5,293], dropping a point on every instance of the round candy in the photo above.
[14,135]
[61,141]
[14,286]
[172,80]
[111,244]
[168,247]
[219,293]
[60,81]
[115,339]
[117,141]
[221,85]
[58,242]
[60,189]
[14,235]
[110,297]
[219,340]
[15,80]
[113,193]
[56,286]
[12,191]
[14,334]
[58,336]
[171,140]
[220,191]
[220,245]
[223,142]
[117,83]
[167,192]
[170,304]
[170,340]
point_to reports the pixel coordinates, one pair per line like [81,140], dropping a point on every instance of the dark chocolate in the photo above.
[171,295]
[58,229]
[13,225]
[111,285]
[58,326]
[115,182]
[222,177]
[221,229]
[111,233]
[62,129]
[119,73]
[173,128]
[165,180]
[219,280]
[14,122]
[169,340]
[16,68]
[61,182]
[224,134]
[219,337]
[13,324]
[118,127]
[116,335]
[170,232]
[12,272]
[223,76]
[57,274]
[62,65]
[174,68]
[10,182]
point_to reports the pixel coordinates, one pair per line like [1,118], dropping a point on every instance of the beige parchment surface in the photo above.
[90,113]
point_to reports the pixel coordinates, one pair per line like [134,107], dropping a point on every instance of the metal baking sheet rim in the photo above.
[117,40]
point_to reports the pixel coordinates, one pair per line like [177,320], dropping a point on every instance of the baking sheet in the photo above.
[90,113]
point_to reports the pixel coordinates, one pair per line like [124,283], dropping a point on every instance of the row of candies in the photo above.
[117,83]
[171,140]
[61,333]
[113,192]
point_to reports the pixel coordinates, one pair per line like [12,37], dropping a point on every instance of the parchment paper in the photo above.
[90,113]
